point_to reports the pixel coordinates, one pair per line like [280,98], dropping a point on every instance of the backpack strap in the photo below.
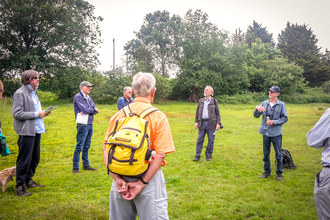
[128,111]
[148,111]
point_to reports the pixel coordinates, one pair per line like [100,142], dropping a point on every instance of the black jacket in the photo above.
[213,110]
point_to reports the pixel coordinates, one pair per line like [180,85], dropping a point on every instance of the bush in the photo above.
[47,96]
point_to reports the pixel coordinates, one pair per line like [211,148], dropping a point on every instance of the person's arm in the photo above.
[119,104]
[258,111]
[284,116]
[320,132]
[217,113]
[196,116]
[83,106]
[19,112]
[134,188]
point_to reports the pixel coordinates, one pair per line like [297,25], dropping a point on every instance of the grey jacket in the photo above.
[279,114]
[213,110]
[23,112]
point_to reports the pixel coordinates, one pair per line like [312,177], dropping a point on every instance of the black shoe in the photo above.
[21,191]
[75,170]
[279,177]
[265,175]
[32,184]
[89,168]
[196,159]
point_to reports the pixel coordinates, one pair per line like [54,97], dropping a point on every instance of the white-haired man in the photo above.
[207,119]
[126,99]
[145,196]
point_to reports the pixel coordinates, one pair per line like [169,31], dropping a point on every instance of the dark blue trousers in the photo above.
[202,131]
[277,143]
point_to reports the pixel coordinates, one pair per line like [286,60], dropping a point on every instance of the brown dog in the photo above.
[6,175]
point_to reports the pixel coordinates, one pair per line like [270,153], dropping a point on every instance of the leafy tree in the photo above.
[257,31]
[238,37]
[299,45]
[257,58]
[288,76]
[47,35]
[200,60]
[139,57]
[158,37]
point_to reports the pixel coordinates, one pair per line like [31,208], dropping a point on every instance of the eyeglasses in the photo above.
[35,77]
[129,92]
[2,90]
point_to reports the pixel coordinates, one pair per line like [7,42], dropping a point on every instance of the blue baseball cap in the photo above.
[275,89]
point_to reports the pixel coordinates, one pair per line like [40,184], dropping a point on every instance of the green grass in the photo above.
[228,187]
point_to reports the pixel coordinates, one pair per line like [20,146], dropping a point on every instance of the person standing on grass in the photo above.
[126,99]
[207,119]
[29,125]
[145,196]
[319,137]
[274,115]
[84,105]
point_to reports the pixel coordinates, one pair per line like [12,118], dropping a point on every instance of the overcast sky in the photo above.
[123,17]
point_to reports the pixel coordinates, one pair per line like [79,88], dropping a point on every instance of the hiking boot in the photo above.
[21,191]
[196,159]
[89,168]
[208,159]
[32,184]
[75,170]
[265,175]
[279,177]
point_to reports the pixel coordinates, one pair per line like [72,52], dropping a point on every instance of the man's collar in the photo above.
[30,87]
[209,99]
[85,96]
[141,99]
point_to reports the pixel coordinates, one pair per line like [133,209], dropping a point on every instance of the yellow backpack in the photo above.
[128,144]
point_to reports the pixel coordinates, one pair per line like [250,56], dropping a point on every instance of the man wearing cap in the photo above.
[84,105]
[126,99]
[274,115]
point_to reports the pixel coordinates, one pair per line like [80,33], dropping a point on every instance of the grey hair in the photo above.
[210,88]
[125,88]
[143,83]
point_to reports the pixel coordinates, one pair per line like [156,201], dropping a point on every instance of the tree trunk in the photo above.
[194,97]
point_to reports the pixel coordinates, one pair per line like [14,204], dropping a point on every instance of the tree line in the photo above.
[58,39]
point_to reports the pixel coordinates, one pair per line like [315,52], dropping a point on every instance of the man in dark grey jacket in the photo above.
[29,125]
[207,120]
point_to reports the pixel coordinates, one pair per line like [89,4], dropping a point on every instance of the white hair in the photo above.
[143,83]
[126,87]
[210,88]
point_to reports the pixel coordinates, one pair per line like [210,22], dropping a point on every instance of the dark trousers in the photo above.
[202,131]
[28,158]
[277,143]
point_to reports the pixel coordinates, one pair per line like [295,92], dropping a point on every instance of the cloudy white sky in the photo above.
[123,17]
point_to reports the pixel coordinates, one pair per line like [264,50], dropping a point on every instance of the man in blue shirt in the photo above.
[84,105]
[207,120]
[274,115]
[126,99]
[29,125]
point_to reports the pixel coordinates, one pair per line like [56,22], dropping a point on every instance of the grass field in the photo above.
[228,187]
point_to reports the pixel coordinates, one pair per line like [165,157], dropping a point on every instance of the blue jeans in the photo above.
[277,143]
[84,137]
[202,131]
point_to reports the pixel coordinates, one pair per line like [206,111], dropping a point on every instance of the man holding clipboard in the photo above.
[84,110]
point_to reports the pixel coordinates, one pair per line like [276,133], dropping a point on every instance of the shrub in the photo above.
[47,96]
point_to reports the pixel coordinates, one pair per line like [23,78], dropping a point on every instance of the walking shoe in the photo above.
[265,175]
[32,184]
[89,168]
[279,177]
[196,159]
[75,170]
[21,191]
[208,159]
